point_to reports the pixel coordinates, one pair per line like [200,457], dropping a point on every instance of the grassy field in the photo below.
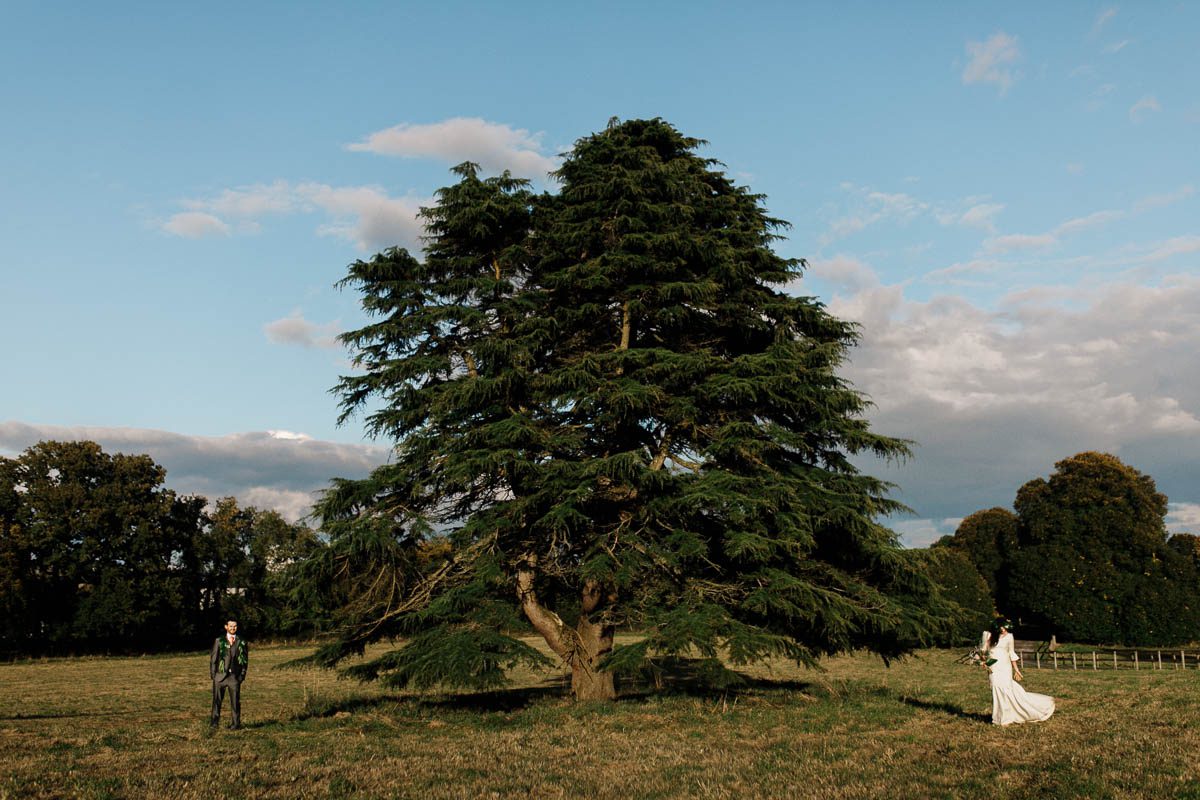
[137,727]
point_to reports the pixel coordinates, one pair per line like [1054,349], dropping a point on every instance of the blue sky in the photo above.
[1003,195]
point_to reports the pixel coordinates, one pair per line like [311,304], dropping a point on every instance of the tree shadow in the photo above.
[497,700]
[68,715]
[946,708]
[683,679]
[698,686]
[679,678]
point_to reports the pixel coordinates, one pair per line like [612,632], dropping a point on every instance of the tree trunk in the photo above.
[585,647]
[588,681]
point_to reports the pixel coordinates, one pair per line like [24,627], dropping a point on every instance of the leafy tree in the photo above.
[90,545]
[616,416]
[277,548]
[223,549]
[247,556]
[1094,563]
[1186,544]
[953,570]
[16,632]
[95,554]
[989,539]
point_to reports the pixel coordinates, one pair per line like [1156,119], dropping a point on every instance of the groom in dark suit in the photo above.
[227,667]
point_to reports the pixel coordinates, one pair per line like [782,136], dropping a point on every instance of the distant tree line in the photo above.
[1084,555]
[96,555]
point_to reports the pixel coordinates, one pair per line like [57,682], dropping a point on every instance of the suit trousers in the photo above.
[220,684]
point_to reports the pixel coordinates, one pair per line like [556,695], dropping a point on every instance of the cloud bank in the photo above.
[994,398]
[269,469]
[367,216]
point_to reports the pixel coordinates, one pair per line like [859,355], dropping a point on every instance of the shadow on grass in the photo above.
[69,715]
[946,708]
[500,700]
[689,683]
[683,678]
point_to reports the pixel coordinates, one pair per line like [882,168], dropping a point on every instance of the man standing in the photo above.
[227,666]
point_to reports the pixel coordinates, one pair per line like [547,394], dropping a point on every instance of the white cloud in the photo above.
[961,272]
[1075,168]
[195,225]
[981,216]
[1183,518]
[250,201]
[493,146]
[272,469]
[1162,251]
[872,207]
[364,215]
[1142,107]
[291,505]
[845,272]
[1037,241]
[367,216]
[923,532]
[1019,241]
[1094,220]
[995,397]
[292,435]
[1116,47]
[1163,200]
[991,61]
[295,329]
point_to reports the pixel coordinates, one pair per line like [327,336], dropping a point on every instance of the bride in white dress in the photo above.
[1010,702]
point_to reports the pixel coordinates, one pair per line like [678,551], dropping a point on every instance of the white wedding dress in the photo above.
[1010,702]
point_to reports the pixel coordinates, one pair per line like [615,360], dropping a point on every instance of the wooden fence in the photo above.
[1134,659]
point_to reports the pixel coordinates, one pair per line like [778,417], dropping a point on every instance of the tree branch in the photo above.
[664,449]
[471,368]
[544,621]
[626,326]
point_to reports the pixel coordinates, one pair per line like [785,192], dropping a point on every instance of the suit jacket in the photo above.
[227,658]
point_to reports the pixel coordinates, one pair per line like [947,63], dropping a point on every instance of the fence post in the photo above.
[1055,660]
[1114,659]
[1038,657]
[1074,665]
[1135,660]
[1159,658]
[1094,667]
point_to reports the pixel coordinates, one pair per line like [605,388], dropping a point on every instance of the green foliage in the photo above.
[474,657]
[1094,563]
[955,573]
[989,539]
[95,554]
[89,542]
[618,416]
[249,560]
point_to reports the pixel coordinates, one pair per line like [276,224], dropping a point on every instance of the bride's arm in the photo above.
[1016,660]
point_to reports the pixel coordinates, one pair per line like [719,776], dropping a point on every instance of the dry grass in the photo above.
[138,728]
